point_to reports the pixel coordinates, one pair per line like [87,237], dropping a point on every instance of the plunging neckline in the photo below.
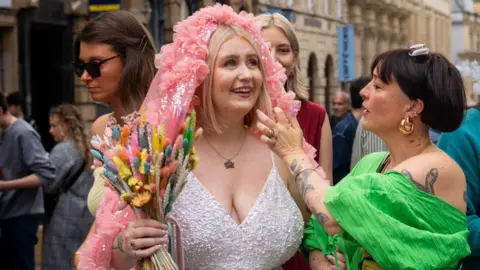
[224,211]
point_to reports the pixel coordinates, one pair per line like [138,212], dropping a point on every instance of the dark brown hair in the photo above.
[134,43]
[3,103]
[68,114]
[430,78]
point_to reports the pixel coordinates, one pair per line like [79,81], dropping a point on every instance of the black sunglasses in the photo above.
[93,68]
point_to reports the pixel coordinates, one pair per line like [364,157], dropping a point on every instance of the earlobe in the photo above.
[417,107]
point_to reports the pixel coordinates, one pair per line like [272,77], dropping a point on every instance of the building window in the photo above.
[2,72]
[340,9]
[325,7]
[2,63]
[428,30]
[184,12]
[310,5]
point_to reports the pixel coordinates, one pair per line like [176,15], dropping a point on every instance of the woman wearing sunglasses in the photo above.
[114,57]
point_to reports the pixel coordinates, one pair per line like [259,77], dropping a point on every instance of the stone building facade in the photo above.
[315,23]
[379,25]
[385,24]
[466,42]
[465,30]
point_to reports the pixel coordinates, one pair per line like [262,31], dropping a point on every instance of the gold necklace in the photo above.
[229,164]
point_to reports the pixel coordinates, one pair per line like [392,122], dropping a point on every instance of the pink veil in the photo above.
[182,67]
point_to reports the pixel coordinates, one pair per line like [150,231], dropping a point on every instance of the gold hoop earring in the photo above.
[406,126]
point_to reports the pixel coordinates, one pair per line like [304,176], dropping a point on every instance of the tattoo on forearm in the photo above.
[302,178]
[430,180]
[293,165]
[322,218]
[305,187]
[119,244]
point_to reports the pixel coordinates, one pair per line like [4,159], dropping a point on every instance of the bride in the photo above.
[240,208]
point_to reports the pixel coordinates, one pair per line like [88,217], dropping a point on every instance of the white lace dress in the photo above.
[268,237]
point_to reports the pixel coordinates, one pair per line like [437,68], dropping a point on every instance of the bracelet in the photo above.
[304,170]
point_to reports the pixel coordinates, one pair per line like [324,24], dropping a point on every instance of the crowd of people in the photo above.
[393,181]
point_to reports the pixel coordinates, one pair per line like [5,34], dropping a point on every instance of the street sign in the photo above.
[5,3]
[346,52]
[96,7]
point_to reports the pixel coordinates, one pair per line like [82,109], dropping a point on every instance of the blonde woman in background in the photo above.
[278,31]
[70,221]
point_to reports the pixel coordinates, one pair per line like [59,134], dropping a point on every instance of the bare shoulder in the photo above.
[436,173]
[98,127]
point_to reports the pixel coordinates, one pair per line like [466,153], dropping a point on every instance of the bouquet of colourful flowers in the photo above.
[149,168]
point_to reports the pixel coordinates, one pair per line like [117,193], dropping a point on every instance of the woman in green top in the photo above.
[399,210]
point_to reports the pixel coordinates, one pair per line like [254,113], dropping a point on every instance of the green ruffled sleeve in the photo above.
[400,226]
[314,236]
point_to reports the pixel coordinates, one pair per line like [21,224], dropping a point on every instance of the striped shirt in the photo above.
[365,143]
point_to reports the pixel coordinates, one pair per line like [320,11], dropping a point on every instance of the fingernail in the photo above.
[259,111]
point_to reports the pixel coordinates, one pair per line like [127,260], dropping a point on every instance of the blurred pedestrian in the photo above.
[16,105]
[26,168]
[70,219]
[463,145]
[341,105]
[344,131]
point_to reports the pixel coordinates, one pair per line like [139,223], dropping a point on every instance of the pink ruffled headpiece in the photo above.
[182,67]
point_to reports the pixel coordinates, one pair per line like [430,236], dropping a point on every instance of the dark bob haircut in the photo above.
[133,42]
[355,89]
[430,78]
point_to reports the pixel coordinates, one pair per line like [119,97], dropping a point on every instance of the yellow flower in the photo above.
[123,170]
[141,199]
[132,181]
[127,197]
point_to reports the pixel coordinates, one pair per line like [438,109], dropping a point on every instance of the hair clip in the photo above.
[143,43]
[418,49]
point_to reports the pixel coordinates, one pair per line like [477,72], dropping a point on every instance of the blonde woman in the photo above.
[239,209]
[284,45]
[70,220]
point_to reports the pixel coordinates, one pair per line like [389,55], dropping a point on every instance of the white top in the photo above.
[267,238]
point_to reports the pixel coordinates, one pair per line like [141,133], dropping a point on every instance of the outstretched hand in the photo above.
[284,137]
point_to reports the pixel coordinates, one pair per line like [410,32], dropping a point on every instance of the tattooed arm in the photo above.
[286,141]
[312,188]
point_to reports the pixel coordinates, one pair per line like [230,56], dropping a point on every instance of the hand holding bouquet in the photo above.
[148,165]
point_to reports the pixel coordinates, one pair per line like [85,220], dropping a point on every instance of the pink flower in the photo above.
[186,58]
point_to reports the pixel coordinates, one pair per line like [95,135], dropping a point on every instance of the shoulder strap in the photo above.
[74,177]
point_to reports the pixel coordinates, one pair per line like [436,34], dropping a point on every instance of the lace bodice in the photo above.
[268,237]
